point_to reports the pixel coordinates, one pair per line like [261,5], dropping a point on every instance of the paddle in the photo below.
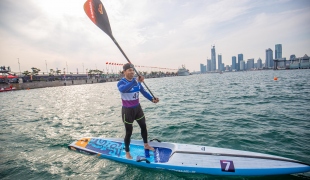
[96,12]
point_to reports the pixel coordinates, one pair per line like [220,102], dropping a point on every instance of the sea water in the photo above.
[239,110]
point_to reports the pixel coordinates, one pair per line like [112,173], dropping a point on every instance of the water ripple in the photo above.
[245,111]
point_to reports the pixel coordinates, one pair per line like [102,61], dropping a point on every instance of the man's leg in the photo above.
[141,121]
[142,125]
[127,120]
[128,128]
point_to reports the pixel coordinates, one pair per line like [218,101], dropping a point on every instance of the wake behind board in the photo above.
[190,158]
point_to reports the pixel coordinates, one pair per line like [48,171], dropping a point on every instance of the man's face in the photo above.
[129,73]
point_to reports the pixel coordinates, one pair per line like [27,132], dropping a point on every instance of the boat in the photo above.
[7,89]
[183,71]
[190,158]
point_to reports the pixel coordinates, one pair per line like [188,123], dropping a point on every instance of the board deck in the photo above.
[110,148]
[190,158]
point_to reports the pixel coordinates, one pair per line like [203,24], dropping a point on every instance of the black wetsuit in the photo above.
[131,109]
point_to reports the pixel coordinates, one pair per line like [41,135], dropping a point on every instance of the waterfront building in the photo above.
[219,59]
[240,58]
[291,61]
[278,51]
[227,68]
[233,63]
[250,64]
[280,63]
[269,58]
[305,62]
[208,65]
[241,68]
[292,57]
[300,62]
[203,68]
[259,63]
[213,59]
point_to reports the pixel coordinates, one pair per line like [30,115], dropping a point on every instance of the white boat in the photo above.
[183,71]
[191,158]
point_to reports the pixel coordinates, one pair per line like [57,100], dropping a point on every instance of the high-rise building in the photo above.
[250,64]
[219,59]
[240,58]
[269,58]
[203,68]
[213,59]
[241,68]
[259,63]
[278,51]
[233,63]
[208,65]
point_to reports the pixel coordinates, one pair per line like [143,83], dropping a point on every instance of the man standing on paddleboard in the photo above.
[129,88]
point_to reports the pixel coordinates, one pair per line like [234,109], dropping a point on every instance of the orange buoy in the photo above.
[275,78]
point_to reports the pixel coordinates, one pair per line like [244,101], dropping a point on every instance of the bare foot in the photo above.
[147,146]
[128,156]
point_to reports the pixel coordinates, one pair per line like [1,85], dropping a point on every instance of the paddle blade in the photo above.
[96,12]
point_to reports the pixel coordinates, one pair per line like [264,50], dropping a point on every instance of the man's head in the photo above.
[128,71]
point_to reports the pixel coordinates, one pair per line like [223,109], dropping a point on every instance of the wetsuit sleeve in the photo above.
[144,93]
[124,87]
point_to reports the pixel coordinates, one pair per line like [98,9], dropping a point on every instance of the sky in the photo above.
[51,34]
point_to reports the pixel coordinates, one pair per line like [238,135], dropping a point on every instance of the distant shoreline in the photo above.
[67,82]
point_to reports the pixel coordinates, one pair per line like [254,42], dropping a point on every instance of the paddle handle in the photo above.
[119,47]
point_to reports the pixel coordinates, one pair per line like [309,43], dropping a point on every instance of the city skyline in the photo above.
[154,33]
[250,64]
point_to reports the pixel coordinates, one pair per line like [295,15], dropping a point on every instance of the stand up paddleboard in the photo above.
[190,158]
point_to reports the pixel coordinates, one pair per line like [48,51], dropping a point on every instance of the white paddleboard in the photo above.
[190,158]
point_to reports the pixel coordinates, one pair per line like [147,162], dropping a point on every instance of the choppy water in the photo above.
[245,111]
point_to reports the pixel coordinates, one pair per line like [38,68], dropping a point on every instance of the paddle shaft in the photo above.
[119,47]
[97,13]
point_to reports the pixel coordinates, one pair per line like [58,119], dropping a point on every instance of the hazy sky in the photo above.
[161,33]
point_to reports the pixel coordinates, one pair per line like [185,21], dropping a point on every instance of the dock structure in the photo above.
[294,63]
